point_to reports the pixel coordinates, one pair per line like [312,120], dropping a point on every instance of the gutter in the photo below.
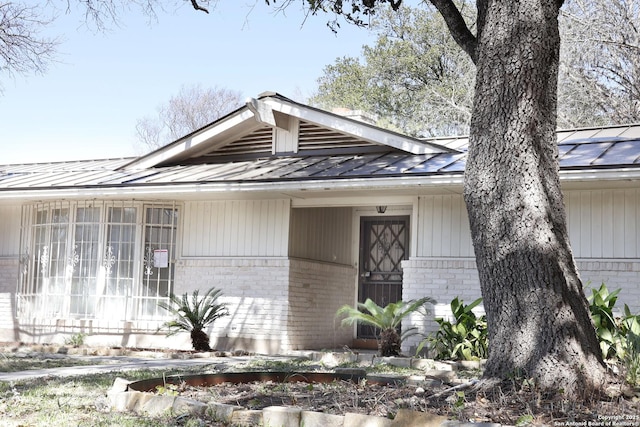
[247,187]
[145,190]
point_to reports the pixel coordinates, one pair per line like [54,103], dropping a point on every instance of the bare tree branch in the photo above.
[192,108]
[197,6]
[22,47]
[457,26]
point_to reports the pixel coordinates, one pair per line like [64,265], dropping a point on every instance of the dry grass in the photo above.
[81,401]
[77,401]
[16,362]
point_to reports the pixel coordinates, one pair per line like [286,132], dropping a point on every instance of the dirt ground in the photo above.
[506,405]
[511,404]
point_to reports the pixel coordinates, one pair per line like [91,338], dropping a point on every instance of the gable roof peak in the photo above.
[281,114]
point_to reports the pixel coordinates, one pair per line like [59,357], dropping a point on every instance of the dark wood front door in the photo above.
[384,243]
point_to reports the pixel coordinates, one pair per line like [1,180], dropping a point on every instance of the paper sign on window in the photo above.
[161,258]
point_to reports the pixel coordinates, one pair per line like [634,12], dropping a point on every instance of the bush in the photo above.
[76,340]
[464,339]
[601,304]
[619,337]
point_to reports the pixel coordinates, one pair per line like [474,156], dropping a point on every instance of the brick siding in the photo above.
[443,279]
[256,291]
[317,290]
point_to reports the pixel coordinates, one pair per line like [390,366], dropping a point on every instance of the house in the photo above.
[291,211]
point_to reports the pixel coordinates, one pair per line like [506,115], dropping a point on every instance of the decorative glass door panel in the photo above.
[384,244]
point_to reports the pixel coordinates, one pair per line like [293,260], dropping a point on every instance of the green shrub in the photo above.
[466,337]
[619,337]
[601,304]
[76,340]
[463,339]
[630,327]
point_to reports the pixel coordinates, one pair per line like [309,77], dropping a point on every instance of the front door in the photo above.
[384,243]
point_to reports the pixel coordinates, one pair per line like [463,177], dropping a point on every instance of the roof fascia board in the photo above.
[263,113]
[357,129]
[614,174]
[229,188]
[190,143]
[248,127]
[442,180]
[354,200]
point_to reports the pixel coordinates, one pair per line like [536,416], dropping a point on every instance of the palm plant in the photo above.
[194,315]
[386,320]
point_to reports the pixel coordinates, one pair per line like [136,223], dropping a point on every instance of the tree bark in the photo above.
[537,313]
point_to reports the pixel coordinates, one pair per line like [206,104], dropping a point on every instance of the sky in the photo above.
[87,104]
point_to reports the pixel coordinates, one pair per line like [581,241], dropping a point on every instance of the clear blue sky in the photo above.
[87,105]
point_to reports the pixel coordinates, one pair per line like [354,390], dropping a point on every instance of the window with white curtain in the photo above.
[97,260]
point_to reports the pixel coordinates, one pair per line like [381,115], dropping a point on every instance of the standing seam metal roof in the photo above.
[581,149]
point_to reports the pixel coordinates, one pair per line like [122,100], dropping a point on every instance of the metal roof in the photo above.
[586,149]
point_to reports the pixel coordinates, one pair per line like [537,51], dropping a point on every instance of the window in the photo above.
[97,260]
[159,240]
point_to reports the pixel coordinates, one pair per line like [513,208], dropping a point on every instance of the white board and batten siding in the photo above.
[443,227]
[286,141]
[10,219]
[603,224]
[233,228]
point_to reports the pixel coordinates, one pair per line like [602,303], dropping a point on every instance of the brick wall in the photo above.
[443,279]
[256,290]
[616,274]
[317,290]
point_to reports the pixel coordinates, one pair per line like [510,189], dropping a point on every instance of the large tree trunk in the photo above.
[538,316]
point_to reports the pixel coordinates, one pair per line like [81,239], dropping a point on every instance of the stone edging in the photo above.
[123,399]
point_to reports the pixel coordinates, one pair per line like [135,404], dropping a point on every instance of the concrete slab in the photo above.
[360,420]
[319,419]
[124,401]
[281,416]
[408,418]
[189,406]
[159,405]
[246,418]
[222,411]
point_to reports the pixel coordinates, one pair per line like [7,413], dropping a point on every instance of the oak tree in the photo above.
[600,63]
[415,78]
[538,316]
